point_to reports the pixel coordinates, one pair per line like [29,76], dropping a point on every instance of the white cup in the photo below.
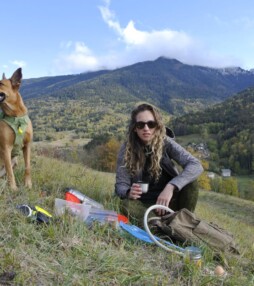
[144,186]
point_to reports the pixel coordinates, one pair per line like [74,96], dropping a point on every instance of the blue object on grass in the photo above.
[143,235]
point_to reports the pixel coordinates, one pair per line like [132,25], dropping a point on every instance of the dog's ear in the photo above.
[3,77]
[16,78]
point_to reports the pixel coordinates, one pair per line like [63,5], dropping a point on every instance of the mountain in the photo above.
[99,103]
[169,84]
[44,86]
[235,113]
[228,128]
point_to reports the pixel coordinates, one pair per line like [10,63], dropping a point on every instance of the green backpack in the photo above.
[184,226]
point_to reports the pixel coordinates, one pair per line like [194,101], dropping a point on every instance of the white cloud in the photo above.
[109,17]
[133,37]
[19,63]
[137,46]
[75,58]
[149,45]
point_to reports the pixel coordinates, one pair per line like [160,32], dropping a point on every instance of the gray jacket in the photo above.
[191,168]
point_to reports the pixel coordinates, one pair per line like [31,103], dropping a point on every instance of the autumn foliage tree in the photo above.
[229,186]
[203,180]
[106,155]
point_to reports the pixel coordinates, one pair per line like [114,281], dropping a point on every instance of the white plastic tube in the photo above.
[152,236]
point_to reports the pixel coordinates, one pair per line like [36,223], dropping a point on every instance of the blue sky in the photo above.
[56,37]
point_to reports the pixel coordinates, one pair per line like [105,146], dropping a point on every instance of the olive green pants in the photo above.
[186,198]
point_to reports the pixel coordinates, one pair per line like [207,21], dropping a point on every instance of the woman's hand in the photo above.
[135,192]
[164,198]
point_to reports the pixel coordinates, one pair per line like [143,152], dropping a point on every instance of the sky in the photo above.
[59,37]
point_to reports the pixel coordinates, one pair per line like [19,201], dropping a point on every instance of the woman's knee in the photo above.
[188,196]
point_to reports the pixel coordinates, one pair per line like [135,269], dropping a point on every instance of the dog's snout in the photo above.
[2,96]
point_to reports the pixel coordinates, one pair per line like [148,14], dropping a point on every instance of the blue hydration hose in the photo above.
[147,236]
[173,248]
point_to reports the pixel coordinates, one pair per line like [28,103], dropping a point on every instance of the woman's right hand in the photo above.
[135,192]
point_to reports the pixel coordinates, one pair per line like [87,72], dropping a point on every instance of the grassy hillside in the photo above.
[66,252]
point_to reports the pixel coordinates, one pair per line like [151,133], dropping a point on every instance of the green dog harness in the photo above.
[18,125]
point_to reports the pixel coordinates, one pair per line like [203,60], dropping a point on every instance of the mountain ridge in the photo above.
[169,84]
[100,103]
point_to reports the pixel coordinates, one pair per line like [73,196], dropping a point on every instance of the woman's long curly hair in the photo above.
[134,154]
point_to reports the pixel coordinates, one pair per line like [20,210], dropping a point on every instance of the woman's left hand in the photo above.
[164,198]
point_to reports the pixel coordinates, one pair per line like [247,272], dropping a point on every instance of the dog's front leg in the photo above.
[27,159]
[8,168]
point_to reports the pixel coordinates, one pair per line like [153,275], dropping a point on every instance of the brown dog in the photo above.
[15,129]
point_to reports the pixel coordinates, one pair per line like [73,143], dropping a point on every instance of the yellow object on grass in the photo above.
[39,209]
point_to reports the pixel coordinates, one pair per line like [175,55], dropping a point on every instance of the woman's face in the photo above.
[145,132]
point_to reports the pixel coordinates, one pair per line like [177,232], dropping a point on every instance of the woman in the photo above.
[147,156]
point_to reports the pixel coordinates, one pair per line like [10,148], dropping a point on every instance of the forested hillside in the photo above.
[229,130]
[169,84]
[96,104]
[36,87]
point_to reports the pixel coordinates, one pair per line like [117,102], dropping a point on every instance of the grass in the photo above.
[67,252]
[65,139]
[246,187]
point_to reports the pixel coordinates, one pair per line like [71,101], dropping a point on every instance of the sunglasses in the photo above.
[150,124]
